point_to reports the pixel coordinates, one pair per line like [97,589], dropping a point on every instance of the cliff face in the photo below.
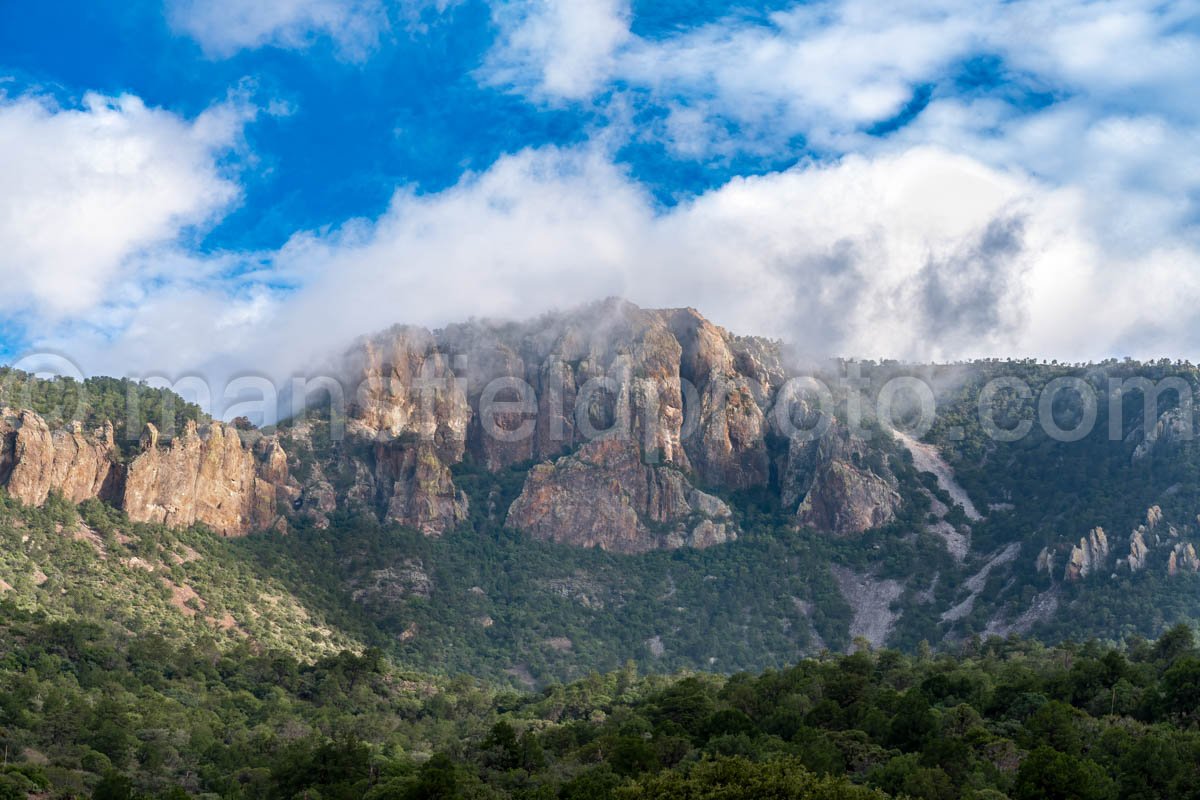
[407,387]
[627,411]
[212,479]
[835,484]
[1088,556]
[34,460]
[215,480]
[422,492]
[676,390]
[604,496]
[1183,559]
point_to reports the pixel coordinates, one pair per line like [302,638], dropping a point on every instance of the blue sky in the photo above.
[233,186]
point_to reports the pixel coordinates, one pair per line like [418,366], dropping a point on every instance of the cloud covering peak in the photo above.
[924,181]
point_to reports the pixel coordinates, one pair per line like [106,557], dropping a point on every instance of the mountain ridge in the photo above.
[680,392]
[657,503]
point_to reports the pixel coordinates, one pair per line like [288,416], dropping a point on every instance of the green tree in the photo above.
[1047,774]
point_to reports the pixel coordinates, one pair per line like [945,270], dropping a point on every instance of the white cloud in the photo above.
[923,254]
[223,27]
[1114,154]
[89,190]
[557,48]
[828,69]
[822,70]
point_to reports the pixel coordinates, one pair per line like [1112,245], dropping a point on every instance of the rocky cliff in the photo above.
[1088,556]
[35,460]
[691,403]
[604,496]
[635,419]
[211,478]
[1147,544]
[834,485]
[1183,558]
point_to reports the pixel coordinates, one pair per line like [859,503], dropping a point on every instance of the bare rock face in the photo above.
[420,490]
[1137,549]
[1154,516]
[1088,556]
[848,500]
[34,461]
[734,379]
[1171,429]
[1183,559]
[680,391]
[604,496]
[408,387]
[836,486]
[1144,537]
[214,480]
[1045,560]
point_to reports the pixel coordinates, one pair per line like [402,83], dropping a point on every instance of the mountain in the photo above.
[415,413]
[531,501]
[595,398]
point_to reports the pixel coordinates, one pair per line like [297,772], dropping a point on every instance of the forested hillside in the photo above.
[485,599]
[87,710]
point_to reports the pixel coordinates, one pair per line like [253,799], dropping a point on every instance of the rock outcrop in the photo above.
[1155,535]
[1137,549]
[35,460]
[418,488]
[212,478]
[837,484]
[1143,538]
[1088,556]
[1045,560]
[1183,559]
[604,496]
[1172,428]
[680,393]
[1154,516]
[408,388]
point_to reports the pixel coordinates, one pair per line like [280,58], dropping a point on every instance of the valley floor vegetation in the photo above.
[87,710]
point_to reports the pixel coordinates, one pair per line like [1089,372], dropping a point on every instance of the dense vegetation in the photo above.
[91,564]
[85,709]
[92,402]
[1046,492]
